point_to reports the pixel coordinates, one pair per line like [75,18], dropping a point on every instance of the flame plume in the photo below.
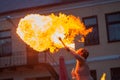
[42,32]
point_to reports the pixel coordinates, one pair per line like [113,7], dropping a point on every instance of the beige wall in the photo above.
[96,51]
[104,48]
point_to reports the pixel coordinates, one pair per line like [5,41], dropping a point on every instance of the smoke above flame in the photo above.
[42,32]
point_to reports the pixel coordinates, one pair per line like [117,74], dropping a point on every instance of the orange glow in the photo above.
[41,32]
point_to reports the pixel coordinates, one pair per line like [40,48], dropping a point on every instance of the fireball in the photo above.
[42,32]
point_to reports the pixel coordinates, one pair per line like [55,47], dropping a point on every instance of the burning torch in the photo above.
[63,44]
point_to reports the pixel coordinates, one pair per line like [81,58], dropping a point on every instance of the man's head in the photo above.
[83,52]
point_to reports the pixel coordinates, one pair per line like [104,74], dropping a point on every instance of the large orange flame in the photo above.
[42,32]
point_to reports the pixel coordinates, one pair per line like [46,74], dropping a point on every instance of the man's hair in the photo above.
[83,52]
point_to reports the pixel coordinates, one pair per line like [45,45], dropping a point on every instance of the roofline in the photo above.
[88,4]
[42,7]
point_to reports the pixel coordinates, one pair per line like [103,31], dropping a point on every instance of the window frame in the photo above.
[6,37]
[109,23]
[93,74]
[114,71]
[95,25]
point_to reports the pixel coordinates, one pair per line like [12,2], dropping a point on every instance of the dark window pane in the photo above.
[113,26]
[5,43]
[114,32]
[93,74]
[113,17]
[93,37]
[115,73]
[90,21]
[5,34]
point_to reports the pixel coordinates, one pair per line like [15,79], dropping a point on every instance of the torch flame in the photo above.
[42,32]
[103,77]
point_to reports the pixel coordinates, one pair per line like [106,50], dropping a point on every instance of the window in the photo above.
[115,73]
[5,43]
[93,37]
[93,74]
[113,26]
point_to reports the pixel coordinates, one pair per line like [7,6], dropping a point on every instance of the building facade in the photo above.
[19,62]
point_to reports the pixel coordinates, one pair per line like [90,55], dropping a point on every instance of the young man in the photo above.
[81,71]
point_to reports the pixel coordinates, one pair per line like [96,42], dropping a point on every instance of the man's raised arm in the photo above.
[72,51]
